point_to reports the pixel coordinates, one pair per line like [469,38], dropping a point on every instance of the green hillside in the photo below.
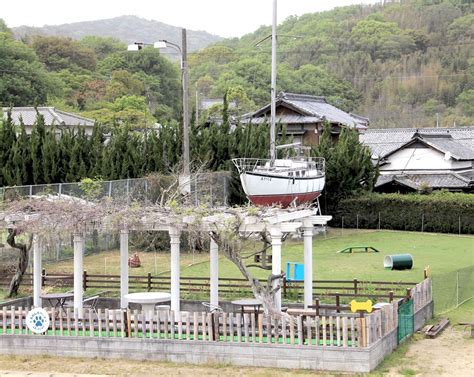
[398,64]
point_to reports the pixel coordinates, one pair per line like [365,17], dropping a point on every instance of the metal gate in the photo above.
[405,320]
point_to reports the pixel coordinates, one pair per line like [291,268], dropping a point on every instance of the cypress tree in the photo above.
[66,144]
[7,143]
[154,153]
[96,146]
[113,163]
[83,155]
[72,172]
[36,143]
[129,157]
[50,154]
[22,159]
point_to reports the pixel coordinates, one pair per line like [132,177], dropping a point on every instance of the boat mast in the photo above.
[273,87]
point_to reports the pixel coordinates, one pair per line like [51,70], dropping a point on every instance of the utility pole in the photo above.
[196,121]
[273,87]
[184,62]
[437,120]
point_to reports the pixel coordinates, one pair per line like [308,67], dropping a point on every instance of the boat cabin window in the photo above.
[297,173]
[303,173]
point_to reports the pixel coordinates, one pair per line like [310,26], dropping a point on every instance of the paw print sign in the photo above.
[37,320]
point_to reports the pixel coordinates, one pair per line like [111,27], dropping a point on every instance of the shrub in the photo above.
[441,211]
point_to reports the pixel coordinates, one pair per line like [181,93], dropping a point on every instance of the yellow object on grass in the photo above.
[361,306]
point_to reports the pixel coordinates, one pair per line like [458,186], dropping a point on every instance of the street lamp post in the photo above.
[183,51]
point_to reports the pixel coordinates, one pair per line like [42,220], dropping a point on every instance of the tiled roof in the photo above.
[314,107]
[285,119]
[436,180]
[207,103]
[447,144]
[51,116]
[387,140]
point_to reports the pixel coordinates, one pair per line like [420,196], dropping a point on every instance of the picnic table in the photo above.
[148,300]
[57,300]
[248,302]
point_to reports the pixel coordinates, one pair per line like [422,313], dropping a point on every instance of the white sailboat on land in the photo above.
[275,181]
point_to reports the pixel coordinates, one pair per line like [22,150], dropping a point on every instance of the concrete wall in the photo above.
[244,354]
[23,302]
[383,348]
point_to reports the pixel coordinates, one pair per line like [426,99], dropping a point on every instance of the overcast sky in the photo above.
[227,18]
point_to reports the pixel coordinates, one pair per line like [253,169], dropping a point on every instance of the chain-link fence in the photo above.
[56,248]
[206,188]
[452,289]
[461,224]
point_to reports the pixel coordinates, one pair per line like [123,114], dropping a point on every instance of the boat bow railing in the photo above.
[252,164]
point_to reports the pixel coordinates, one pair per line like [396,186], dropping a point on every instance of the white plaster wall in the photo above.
[88,130]
[421,159]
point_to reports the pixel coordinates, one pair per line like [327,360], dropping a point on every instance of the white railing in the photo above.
[251,164]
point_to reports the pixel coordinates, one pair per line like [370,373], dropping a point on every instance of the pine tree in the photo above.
[349,169]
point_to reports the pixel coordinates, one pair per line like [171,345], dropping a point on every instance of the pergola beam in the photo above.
[274,221]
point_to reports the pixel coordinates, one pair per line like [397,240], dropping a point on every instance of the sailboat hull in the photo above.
[268,190]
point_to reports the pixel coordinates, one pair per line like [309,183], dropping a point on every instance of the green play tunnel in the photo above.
[398,262]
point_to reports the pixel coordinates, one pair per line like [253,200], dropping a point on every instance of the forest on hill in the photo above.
[398,64]
[127,29]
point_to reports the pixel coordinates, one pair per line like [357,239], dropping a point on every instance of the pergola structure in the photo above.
[276,222]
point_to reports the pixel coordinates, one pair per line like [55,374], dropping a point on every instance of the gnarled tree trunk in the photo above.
[265,293]
[22,261]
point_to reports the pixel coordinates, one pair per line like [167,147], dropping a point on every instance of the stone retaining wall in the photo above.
[243,354]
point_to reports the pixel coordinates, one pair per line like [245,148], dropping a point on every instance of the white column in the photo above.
[78,270]
[174,235]
[275,233]
[214,273]
[308,263]
[123,268]
[36,271]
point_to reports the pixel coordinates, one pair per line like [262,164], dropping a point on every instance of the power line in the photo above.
[308,50]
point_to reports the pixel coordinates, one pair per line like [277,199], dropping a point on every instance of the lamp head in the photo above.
[160,44]
[134,47]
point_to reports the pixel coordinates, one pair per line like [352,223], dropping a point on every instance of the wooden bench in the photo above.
[359,249]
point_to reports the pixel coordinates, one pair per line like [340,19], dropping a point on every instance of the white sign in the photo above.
[37,320]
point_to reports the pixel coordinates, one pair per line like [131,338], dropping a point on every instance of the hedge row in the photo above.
[442,212]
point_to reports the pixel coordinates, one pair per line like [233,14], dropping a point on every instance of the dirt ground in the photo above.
[451,354]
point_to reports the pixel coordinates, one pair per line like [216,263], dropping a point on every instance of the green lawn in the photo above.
[443,253]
